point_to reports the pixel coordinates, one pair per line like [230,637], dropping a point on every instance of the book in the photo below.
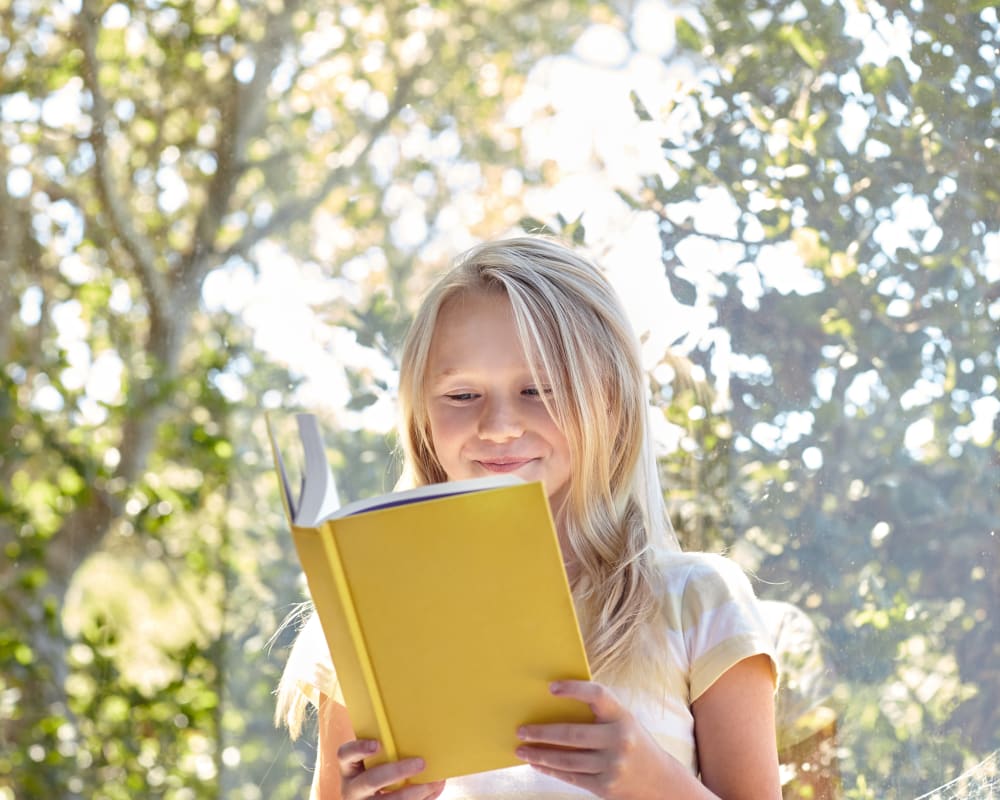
[446,609]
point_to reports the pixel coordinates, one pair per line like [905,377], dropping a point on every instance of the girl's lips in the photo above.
[504,465]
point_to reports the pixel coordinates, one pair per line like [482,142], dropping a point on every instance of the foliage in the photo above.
[849,449]
[842,442]
[144,147]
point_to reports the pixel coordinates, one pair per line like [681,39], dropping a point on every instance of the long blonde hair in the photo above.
[575,331]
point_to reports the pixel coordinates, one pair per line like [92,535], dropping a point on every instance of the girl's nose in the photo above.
[500,421]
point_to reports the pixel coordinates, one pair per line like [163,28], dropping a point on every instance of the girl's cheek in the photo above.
[451,419]
[540,414]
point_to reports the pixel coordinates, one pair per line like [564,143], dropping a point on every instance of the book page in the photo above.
[428,492]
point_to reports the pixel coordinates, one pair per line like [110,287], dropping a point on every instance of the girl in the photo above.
[520,359]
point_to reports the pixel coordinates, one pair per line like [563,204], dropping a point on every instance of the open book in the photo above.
[446,610]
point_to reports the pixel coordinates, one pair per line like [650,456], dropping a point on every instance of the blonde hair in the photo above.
[576,334]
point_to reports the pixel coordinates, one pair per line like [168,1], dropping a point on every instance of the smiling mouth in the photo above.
[504,464]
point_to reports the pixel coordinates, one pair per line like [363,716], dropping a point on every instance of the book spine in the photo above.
[385,736]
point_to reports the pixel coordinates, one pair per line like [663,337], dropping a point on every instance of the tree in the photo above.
[825,187]
[146,145]
[852,153]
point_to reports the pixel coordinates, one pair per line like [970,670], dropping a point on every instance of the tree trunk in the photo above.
[82,533]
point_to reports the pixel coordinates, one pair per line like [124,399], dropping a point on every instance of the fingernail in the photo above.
[556,687]
[371,746]
[522,733]
[520,752]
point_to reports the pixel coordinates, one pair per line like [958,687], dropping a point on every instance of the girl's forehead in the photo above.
[463,298]
[472,310]
[478,331]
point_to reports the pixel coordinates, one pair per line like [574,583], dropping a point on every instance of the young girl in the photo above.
[521,360]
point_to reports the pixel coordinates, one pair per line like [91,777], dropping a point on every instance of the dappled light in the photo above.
[213,209]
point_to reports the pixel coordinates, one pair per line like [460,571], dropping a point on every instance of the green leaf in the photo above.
[639,107]
[629,200]
[794,36]
[536,226]
[687,35]
[683,291]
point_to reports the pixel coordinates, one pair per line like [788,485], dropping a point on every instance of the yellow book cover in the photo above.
[446,609]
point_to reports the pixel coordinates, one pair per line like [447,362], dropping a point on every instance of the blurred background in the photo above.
[210,208]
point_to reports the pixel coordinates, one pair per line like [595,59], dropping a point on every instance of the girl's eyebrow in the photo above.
[451,371]
[447,372]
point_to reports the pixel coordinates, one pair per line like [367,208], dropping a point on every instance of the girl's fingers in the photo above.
[370,781]
[351,756]
[595,735]
[600,699]
[587,762]
[416,791]
[359,782]
[580,736]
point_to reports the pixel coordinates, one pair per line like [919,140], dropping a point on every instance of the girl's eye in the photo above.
[535,391]
[461,397]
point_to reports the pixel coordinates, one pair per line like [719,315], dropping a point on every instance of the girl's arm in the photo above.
[340,773]
[615,757]
[734,732]
[334,731]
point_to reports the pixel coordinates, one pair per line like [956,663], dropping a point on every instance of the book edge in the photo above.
[431,491]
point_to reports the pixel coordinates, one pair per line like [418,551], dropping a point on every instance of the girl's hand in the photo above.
[613,757]
[358,783]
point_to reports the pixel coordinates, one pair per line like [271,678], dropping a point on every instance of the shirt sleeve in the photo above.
[722,622]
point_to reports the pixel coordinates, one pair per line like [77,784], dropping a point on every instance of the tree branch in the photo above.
[302,207]
[240,121]
[138,247]
[11,236]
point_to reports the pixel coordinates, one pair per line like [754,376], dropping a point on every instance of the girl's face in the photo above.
[486,412]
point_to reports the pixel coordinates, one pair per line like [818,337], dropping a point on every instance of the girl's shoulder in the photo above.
[709,609]
[695,588]
[685,572]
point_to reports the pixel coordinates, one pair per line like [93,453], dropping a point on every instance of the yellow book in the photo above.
[446,610]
